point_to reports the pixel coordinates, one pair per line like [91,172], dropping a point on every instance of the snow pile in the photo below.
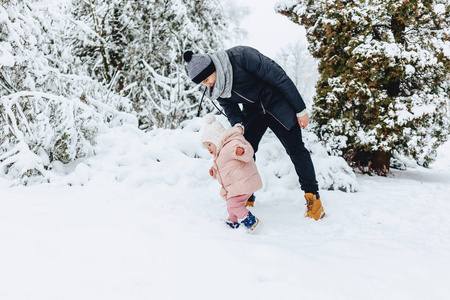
[176,157]
[38,128]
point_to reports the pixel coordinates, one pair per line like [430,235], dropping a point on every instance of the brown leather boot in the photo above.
[314,206]
[250,201]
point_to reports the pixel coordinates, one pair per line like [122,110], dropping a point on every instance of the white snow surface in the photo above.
[142,219]
[6,58]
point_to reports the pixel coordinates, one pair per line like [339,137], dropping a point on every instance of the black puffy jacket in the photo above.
[262,86]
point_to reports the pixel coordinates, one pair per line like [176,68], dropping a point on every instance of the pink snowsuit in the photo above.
[237,175]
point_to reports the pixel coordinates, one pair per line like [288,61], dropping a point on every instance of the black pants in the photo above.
[292,142]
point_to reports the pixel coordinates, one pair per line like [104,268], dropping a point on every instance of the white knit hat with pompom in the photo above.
[213,131]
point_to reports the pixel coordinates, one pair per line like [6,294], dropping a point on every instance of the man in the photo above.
[269,98]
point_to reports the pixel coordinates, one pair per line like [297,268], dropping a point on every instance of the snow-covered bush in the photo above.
[49,109]
[37,128]
[383,85]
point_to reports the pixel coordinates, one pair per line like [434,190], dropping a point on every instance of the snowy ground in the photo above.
[143,220]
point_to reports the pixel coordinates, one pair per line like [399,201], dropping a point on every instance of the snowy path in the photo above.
[149,237]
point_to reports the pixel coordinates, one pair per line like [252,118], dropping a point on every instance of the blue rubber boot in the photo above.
[250,222]
[233,225]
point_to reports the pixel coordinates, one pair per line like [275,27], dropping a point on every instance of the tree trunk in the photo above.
[380,162]
[398,29]
[369,162]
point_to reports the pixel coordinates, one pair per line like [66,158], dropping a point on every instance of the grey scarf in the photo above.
[224,76]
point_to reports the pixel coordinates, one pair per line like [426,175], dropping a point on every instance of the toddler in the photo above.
[234,168]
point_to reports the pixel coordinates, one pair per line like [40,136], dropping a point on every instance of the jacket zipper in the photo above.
[266,111]
[243,97]
[218,174]
[262,106]
[219,177]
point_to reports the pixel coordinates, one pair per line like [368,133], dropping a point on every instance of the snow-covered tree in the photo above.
[49,109]
[136,47]
[301,68]
[235,14]
[383,84]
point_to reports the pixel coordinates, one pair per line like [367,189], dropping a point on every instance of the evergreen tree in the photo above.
[384,68]
[136,47]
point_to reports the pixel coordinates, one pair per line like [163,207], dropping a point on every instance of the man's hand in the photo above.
[240,151]
[303,121]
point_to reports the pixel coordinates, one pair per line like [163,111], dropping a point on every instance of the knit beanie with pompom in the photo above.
[213,131]
[199,66]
